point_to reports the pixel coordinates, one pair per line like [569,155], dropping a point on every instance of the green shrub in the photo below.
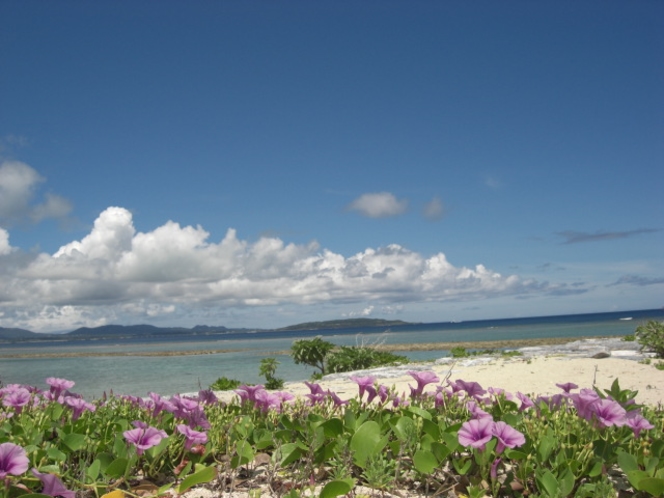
[651,337]
[268,368]
[459,352]
[312,352]
[629,338]
[349,358]
[224,384]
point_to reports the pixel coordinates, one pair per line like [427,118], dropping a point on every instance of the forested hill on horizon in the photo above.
[120,331]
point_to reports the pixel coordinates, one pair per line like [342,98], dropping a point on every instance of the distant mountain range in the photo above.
[133,331]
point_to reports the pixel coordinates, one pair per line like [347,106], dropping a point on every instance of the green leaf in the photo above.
[420,412]
[333,428]
[515,454]
[462,466]
[74,441]
[652,485]
[440,451]
[546,446]
[244,454]
[200,477]
[430,428]
[627,462]
[424,462]
[93,470]
[547,482]
[117,468]
[337,487]
[566,482]
[288,453]
[56,454]
[404,428]
[364,442]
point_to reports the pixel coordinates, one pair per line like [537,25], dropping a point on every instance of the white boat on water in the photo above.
[626,319]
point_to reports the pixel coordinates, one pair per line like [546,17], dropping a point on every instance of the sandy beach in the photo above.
[535,374]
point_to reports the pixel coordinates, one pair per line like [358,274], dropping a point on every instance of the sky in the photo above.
[261,164]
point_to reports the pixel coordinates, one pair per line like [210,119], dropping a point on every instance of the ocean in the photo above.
[138,375]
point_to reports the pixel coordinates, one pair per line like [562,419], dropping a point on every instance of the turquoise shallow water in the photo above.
[138,375]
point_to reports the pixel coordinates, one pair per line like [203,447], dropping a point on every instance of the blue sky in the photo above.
[259,164]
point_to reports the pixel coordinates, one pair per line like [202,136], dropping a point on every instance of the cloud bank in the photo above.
[116,274]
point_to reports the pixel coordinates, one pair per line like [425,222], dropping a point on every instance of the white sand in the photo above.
[536,376]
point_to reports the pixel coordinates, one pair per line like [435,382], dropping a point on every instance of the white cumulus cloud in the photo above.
[379,205]
[116,273]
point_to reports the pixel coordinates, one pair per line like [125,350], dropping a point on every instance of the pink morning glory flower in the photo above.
[508,437]
[192,437]
[638,423]
[144,438]
[17,399]
[609,412]
[567,386]
[78,406]
[476,433]
[526,402]
[58,386]
[472,389]
[422,379]
[363,383]
[53,486]
[13,460]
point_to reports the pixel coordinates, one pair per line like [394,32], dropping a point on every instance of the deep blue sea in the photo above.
[138,375]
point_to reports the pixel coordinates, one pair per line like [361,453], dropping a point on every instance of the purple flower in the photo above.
[383,393]
[13,460]
[476,433]
[526,402]
[336,399]
[159,404]
[422,379]
[58,386]
[53,486]
[363,383]
[508,437]
[638,423]
[494,469]
[584,401]
[207,397]
[314,388]
[608,412]
[144,438]
[192,437]
[568,386]
[248,393]
[476,411]
[78,406]
[17,399]
[472,389]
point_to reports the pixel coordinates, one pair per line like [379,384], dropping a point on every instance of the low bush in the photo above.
[651,337]
[225,384]
[349,358]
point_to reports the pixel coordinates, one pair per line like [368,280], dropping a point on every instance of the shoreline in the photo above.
[430,346]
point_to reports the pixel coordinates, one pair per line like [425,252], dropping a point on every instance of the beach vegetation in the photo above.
[443,435]
[651,337]
[329,358]
[268,369]
[225,384]
[312,352]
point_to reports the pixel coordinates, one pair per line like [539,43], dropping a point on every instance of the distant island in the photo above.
[133,331]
